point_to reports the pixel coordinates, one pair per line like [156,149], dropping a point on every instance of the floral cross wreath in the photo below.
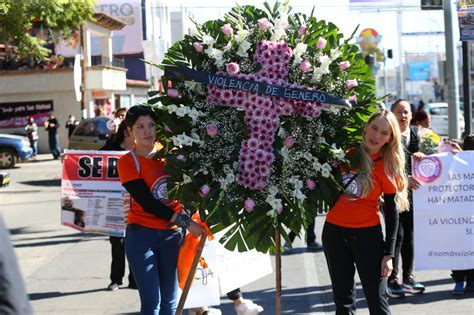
[251,136]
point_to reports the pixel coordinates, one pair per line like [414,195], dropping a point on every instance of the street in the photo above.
[67,272]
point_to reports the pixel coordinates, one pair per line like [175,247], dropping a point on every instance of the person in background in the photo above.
[120,113]
[155,223]
[51,125]
[71,125]
[421,106]
[31,130]
[311,243]
[464,276]
[404,246]
[421,119]
[119,116]
[120,141]
[352,234]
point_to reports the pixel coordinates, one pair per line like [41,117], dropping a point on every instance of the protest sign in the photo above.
[228,270]
[92,197]
[205,288]
[238,269]
[444,211]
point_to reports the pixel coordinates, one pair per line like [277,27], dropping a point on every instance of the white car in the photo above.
[439,118]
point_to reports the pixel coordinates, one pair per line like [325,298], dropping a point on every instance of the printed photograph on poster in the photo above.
[92,197]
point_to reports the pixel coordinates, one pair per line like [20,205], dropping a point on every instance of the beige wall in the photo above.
[58,85]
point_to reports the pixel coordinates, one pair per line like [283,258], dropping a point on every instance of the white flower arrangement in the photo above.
[263,161]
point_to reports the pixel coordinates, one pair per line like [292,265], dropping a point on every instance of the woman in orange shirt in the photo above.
[352,235]
[155,224]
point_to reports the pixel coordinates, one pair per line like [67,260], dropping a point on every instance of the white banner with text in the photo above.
[444,211]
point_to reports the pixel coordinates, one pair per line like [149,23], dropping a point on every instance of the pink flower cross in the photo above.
[262,112]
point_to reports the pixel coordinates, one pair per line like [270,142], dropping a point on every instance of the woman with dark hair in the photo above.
[119,141]
[421,119]
[155,223]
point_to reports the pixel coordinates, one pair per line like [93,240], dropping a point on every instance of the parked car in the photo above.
[91,133]
[439,118]
[12,149]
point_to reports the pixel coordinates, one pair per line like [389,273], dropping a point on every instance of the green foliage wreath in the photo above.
[202,142]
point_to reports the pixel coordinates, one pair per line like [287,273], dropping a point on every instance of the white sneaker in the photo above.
[248,308]
[205,310]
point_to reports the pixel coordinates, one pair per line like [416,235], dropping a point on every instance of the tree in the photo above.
[30,24]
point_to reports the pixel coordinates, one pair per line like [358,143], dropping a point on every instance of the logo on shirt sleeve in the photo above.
[159,189]
[354,189]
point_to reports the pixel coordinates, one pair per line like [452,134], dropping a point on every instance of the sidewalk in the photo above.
[74,283]
[67,272]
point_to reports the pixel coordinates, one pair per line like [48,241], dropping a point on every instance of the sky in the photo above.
[380,15]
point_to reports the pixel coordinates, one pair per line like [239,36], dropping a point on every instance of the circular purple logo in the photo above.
[427,169]
[354,189]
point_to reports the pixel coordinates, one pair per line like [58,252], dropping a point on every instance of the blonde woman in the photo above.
[352,235]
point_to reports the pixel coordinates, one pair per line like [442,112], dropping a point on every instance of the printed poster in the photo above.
[444,211]
[92,197]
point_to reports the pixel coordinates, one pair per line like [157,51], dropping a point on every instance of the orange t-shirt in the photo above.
[352,212]
[152,172]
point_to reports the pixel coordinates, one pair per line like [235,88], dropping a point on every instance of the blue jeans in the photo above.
[34,146]
[153,256]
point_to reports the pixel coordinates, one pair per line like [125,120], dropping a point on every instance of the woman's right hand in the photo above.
[196,229]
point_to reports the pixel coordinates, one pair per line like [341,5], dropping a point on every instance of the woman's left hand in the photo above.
[386,267]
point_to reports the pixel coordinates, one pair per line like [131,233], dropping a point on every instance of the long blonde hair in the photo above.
[393,160]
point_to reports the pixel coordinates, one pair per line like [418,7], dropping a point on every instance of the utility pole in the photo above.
[452,73]
[466,84]
[400,54]
[83,71]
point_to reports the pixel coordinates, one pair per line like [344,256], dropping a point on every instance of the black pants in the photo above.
[117,268]
[310,235]
[463,275]
[404,246]
[347,248]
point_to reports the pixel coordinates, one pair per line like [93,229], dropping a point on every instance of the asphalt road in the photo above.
[66,272]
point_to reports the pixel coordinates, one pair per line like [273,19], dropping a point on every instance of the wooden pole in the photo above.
[189,280]
[278,271]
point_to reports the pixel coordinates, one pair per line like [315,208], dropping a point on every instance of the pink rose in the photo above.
[233,68]
[211,130]
[181,157]
[353,98]
[167,129]
[249,205]
[279,210]
[321,43]
[289,142]
[172,93]
[302,30]
[351,83]
[305,66]
[343,65]
[227,29]
[204,190]
[310,184]
[198,46]
[263,23]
